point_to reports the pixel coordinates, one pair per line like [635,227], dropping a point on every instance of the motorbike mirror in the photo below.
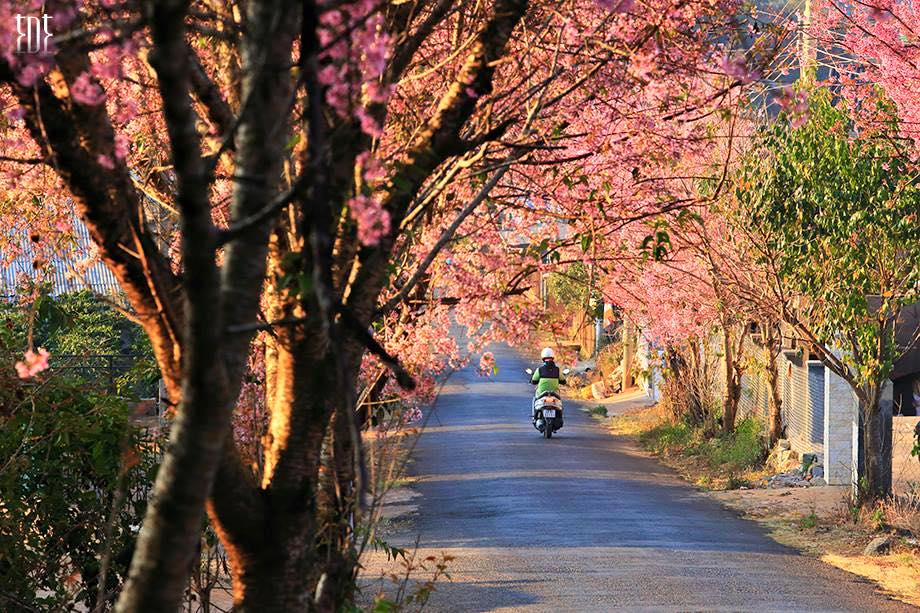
[529,371]
[566,371]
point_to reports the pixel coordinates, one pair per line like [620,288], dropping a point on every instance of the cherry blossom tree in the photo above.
[879,54]
[344,179]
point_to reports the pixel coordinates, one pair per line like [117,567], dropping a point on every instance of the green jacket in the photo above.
[547,378]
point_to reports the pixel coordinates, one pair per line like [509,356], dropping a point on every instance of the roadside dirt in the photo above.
[817,521]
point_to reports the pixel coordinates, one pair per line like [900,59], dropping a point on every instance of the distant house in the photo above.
[906,375]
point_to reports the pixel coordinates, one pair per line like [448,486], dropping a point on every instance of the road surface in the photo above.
[585,522]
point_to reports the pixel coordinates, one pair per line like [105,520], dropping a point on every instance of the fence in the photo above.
[103,371]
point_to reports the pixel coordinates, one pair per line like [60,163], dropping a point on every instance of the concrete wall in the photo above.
[905,468]
[840,430]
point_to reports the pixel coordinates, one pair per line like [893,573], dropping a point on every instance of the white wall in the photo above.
[841,429]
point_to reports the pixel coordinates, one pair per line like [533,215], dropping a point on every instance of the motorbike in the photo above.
[547,410]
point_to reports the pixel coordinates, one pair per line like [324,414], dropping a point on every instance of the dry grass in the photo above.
[637,423]
[896,574]
[824,523]
[903,514]
[819,521]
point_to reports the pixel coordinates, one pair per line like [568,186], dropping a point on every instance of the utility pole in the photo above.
[808,55]
[628,339]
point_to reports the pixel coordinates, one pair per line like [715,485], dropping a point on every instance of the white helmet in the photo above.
[547,354]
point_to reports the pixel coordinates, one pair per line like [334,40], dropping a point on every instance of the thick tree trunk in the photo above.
[317,361]
[775,425]
[732,392]
[876,448]
[274,578]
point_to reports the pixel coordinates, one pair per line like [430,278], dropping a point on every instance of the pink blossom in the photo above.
[105,161]
[880,14]
[617,6]
[369,125]
[125,111]
[122,144]
[798,121]
[737,68]
[372,219]
[29,74]
[795,104]
[792,101]
[85,91]
[370,168]
[487,366]
[412,415]
[16,113]
[34,363]
[376,92]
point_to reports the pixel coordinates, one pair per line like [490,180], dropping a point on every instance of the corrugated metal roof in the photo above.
[61,271]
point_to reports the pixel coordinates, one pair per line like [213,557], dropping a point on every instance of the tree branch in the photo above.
[445,237]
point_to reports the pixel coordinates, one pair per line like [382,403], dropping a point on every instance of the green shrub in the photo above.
[667,437]
[743,448]
[76,326]
[599,410]
[807,522]
[74,478]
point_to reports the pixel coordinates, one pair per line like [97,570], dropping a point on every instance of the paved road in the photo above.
[584,522]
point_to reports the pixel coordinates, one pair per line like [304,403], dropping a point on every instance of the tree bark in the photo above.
[732,392]
[198,454]
[876,447]
[770,353]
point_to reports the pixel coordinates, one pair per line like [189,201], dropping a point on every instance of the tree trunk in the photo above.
[629,349]
[775,426]
[732,388]
[876,448]
[275,578]
[697,377]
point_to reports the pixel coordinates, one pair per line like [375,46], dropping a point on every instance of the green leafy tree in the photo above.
[833,215]
[74,478]
[79,329]
[74,472]
[572,289]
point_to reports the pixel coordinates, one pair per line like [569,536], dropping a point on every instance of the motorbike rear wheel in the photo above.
[547,429]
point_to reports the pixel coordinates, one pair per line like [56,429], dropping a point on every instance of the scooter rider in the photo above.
[548,377]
